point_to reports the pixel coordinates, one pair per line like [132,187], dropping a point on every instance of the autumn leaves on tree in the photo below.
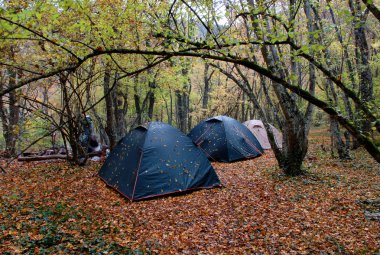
[128,63]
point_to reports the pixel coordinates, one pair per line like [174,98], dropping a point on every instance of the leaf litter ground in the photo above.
[54,208]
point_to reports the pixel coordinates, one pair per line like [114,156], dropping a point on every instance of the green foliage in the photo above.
[63,31]
[37,126]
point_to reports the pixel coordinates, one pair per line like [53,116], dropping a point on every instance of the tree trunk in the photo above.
[336,135]
[72,132]
[181,110]
[295,129]
[10,115]
[365,80]
[183,102]
[343,150]
[312,73]
[102,132]
[110,123]
[151,105]
[168,108]
[242,118]
[120,104]
[152,98]
[45,99]
[170,113]
[351,71]
[206,91]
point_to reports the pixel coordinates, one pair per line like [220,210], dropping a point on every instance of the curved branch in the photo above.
[47,105]
[350,93]
[41,35]
[40,77]
[364,140]
[373,9]
[20,68]
[21,38]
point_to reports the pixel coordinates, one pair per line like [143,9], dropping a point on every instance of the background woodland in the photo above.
[295,64]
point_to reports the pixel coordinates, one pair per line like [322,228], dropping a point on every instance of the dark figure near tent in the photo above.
[84,138]
[87,130]
[225,139]
[155,160]
[93,144]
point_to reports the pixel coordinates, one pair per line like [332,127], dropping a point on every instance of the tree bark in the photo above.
[366,83]
[110,123]
[72,132]
[183,102]
[181,110]
[120,105]
[331,93]
[102,132]
[152,98]
[206,91]
[312,72]
[336,136]
[295,131]
[343,150]
[10,115]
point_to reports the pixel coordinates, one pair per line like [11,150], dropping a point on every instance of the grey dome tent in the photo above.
[258,129]
[225,139]
[154,160]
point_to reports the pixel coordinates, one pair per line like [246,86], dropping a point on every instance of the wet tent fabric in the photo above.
[225,139]
[154,160]
[258,129]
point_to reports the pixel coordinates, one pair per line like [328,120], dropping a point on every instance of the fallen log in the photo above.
[53,156]
[95,153]
[44,157]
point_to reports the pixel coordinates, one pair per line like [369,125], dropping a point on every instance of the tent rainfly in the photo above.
[258,129]
[154,160]
[225,139]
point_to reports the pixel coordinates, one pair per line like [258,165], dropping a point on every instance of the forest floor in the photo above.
[54,208]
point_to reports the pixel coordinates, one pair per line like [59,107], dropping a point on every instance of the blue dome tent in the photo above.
[154,160]
[225,139]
